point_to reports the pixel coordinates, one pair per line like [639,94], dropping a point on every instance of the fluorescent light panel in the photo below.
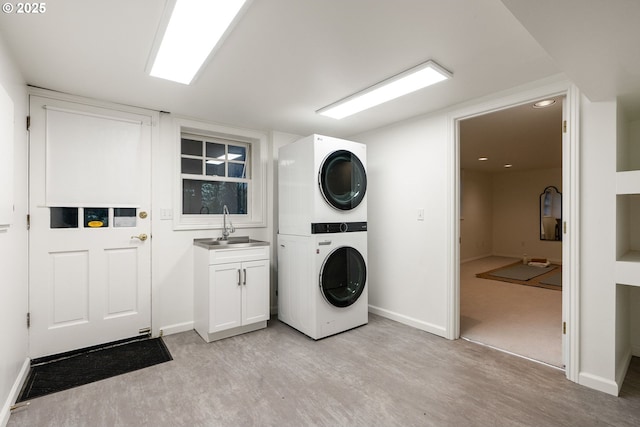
[193,31]
[230,156]
[409,81]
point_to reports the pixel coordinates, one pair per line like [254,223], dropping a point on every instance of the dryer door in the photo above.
[342,180]
[343,276]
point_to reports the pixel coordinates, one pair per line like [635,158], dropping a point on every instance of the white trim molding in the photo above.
[598,383]
[409,321]
[259,158]
[14,392]
[175,328]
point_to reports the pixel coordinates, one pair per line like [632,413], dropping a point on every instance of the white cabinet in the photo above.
[231,294]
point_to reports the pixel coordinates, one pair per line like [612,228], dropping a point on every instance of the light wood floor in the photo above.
[381,374]
[524,320]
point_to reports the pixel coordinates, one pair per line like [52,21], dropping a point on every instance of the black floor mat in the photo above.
[65,371]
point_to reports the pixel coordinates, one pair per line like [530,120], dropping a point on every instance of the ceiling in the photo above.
[285,59]
[522,136]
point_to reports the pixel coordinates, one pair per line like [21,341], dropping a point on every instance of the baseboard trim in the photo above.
[15,391]
[551,260]
[409,321]
[176,328]
[622,371]
[635,350]
[474,258]
[598,383]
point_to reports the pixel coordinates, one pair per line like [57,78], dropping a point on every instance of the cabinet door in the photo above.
[255,300]
[225,296]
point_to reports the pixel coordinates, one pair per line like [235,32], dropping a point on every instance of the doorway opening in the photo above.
[510,272]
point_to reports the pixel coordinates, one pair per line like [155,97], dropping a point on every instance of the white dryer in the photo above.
[321,180]
[322,281]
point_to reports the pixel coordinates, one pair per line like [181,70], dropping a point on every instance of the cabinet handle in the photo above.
[244,282]
[239,277]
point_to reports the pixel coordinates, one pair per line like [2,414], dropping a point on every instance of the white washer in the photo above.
[322,282]
[321,179]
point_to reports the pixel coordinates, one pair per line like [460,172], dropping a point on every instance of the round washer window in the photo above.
[343,180]
[343,276]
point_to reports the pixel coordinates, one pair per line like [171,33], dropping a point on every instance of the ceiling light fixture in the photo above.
[192,30]
[416,78]
[483,159]
[544,103]
[508,165]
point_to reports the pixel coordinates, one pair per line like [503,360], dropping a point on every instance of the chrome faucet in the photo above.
[226,230]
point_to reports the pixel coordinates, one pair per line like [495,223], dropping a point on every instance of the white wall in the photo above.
[172,254]
[13,250]
[516,213]
[277,140]
[634,320]
[408,259]
[499,214]
[407,170]
[476,215]
[598,245]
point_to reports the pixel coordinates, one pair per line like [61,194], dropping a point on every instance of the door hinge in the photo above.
[28,320]
[564,328]
[564,227]
[28,122]
[564,126]
[145,331]
[28,221]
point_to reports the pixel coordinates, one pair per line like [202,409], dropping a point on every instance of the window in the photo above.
[215,172]
[219,166]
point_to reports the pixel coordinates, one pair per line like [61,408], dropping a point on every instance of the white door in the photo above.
[90,257]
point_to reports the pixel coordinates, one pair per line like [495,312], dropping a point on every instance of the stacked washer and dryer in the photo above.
[322,238]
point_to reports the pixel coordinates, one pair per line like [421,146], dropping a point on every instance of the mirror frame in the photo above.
[557,237]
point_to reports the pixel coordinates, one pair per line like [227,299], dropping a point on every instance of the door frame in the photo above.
[571,208]
[155,136]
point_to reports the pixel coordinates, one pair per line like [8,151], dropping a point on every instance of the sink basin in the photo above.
[232,242]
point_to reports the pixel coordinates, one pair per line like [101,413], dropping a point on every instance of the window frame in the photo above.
[256,143]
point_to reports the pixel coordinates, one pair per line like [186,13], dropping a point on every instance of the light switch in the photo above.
[166,214]
[420,214]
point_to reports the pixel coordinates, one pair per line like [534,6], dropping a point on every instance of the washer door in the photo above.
[343,180]
[343,276]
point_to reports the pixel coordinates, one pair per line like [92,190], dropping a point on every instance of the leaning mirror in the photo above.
[550,214]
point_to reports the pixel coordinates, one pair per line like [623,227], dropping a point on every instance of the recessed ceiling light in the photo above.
[191,33]
[418,77]
[544,103]
[508,165]
[483,159]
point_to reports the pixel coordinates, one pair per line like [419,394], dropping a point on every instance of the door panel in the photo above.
[225,293]
[123,283]
[255,300]
[70,288]
[90,273]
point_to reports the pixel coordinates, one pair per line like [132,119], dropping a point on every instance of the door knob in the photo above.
[141,237]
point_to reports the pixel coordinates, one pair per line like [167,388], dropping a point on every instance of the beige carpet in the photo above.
[524,320]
